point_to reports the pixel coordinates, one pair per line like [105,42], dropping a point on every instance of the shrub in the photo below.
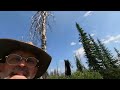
[79,75]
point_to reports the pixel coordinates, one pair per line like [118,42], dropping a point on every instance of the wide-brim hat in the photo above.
[9,45]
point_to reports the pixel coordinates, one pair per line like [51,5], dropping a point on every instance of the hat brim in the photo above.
[9,45]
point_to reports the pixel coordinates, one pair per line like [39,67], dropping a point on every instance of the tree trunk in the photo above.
[43,36]
[43,33]
[67,68]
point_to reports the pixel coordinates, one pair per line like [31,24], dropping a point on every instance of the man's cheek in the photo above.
[1,67]
[8,70]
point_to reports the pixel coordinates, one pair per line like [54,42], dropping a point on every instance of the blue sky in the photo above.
[62,39]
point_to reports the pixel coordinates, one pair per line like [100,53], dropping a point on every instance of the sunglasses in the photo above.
[14,59]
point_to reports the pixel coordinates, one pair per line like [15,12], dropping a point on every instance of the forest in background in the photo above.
[101,62]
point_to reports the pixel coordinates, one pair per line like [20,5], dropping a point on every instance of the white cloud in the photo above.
[80,43]
[102,40]
[92,34]
[51,70]
[109,39]
[79,52]
[117,41]
[59,70]
[61,66]
[108,36]
[61,61]
[88,13]
[72,43]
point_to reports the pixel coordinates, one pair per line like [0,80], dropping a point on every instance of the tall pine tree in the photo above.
[118,56]
[79,66]
[67,68]
[118,53]
[98,54]
[109,60]
[88,48]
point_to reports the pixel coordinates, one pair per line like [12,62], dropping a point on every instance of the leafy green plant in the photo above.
[79,75]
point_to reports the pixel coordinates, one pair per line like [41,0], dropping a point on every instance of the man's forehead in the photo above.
[23,53]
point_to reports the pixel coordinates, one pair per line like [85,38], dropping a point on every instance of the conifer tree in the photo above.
[98,54]
[78,64]
[88,47]
[109,60]
[67,68]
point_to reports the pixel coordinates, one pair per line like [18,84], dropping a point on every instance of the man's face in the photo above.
[21,70]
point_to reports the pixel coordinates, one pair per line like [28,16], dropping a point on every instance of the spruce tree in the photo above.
[88,48]
[98,54]
[67,68]
[109,60]
[78,64]
[118,57]
[118,53]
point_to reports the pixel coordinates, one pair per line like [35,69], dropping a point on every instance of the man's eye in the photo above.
[17,59]
[30,60]
[13,59]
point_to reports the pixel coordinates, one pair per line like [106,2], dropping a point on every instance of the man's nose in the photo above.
[22,63]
